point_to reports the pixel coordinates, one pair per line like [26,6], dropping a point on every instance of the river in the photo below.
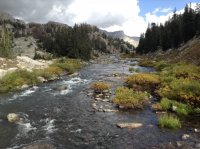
[65,118]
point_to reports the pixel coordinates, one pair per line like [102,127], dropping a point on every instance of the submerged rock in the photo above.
[185,136]
[13,118]
[40,146]
[129,125]
[110,110]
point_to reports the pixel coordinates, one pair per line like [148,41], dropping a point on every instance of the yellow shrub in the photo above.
[129,99]
[53,70]
[144,79]
[100,86]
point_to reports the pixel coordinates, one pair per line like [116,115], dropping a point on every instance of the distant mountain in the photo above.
[120,34]
[5,16]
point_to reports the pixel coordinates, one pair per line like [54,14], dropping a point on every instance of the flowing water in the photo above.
[60,113]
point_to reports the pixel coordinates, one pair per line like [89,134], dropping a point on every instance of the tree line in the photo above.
[74,42]
[173,33]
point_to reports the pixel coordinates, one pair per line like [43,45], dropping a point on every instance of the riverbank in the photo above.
[24,72]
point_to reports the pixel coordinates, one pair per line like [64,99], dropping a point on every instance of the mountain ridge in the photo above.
[121,35]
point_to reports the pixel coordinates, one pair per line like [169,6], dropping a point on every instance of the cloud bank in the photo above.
[110,15]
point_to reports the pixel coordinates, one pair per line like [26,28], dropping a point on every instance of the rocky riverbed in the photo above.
[67,114]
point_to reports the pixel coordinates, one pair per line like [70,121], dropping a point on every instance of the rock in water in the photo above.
[40,146]
[185,136]
[13,117]
[129,125]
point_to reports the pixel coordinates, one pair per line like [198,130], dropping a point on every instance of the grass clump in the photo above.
[169,121]
[134,69]
[68,65]
[13,81]
[100,86]
[185,90]
[146,63]
[59,67]
[129,99]
[146,80]
[181,109]
[166,104]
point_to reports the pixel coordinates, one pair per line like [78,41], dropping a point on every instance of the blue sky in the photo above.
[150,5]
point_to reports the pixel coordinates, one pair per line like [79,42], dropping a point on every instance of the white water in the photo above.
[25,93]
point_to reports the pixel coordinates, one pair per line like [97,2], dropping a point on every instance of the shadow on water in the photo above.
[60,113]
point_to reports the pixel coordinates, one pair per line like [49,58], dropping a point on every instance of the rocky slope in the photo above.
[189,52]
[121,35]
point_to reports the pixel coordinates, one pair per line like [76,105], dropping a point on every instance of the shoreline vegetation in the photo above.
[175,85]
[22,78]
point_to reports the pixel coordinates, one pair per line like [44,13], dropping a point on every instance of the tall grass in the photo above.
[130,99]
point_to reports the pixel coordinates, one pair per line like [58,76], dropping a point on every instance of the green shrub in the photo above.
[169,121]
[181,109]
[165,104]
[128,98]
[185,90]
[13,81]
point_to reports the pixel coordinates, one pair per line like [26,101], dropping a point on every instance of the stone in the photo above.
[179,143]
[90,94]
[74,74]
[105,91]
[185,136]
[24,86]
[161,112]
[42,79]
[100,110]
[110,110]
[129,125]
[196,130]
[174,108]
[39,146]
[121,107]
[106,100]
[98,99]
[13,117]
[100,95]
[197,145]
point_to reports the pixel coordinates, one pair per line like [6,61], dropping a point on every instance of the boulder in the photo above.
[13,117]
[129,125]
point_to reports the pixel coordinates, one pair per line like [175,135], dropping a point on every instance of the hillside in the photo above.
[53,39]
[121,35]
[189,52]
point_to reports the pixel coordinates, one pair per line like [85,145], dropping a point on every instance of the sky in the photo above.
[131,16]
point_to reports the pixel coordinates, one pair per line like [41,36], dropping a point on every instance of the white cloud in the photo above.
[111,15]
[166,10]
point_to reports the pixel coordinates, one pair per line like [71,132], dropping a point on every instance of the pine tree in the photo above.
[5,43]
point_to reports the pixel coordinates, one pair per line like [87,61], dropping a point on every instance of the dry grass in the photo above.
[100,86]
